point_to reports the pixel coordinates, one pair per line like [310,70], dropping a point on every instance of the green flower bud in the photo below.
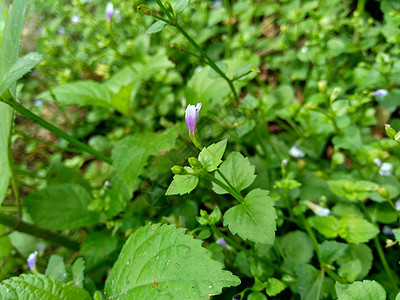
[178,170]
[322,87]
[194,163]
[383,192]
[390,131]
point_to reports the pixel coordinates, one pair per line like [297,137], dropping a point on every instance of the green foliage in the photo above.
[160,261]
[210,157]
[366,289]
[37,287]
[254,219]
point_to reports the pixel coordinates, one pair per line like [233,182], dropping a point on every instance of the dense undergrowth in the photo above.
[199,149]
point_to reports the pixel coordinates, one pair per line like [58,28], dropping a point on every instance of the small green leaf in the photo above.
[39,287]
[309,281]
[274,286]
[61,206]
[356,231]
[353,190]
[56,268]
[362,253]
[162,262]
[366,290]
[396,232]
[350,270]
[254,219]
[182,184]
[180,6]
[156,27]
[332,250]
[256,296]
[327,225]
[78,272]
[296,248]
[210,157]
[238,170]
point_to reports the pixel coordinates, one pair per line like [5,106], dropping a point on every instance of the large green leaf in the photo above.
[61,206]
[39,287]
[309,282]
[254,219]
[296,248]
[9,49]
[161,262]
[238,170]
[131,153]
[366,290]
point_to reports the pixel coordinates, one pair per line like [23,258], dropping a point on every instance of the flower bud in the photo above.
[109,11]
[191,116]
[390,131]
[31,261]
[194,163]
[380,93]
[178,170]
[383,192]
[322,87]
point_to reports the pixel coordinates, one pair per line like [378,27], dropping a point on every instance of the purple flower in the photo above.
[387,230]
[107,184]
[397,204]
[109,11]
[191,115]
[222,243]
[38,102]
[378,162]
[31,261]
[380,93]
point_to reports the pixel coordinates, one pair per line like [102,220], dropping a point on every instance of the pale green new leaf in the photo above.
[210,157]
[182,184]
[39,287]
[22,66]
[254,219]
[78,272]
[180,6]
[326,225]
[156,27]
[61,206]
[162,262]
[238,170]
[356,231]
[56,268]
[366,290]
[274,286]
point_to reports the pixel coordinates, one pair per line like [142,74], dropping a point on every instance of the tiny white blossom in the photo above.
[397,204]
[318,210]
[75,19]
[296,152]
[386,169]
[378,162]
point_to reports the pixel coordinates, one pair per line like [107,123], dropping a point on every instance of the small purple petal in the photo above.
[387,230]
[380,93]
[107,184]
[397,204]
[378,162]
[191,116]
[109,11]
[222,243]
[31,261]
[38,102]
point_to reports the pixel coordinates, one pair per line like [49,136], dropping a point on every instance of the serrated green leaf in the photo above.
[296,248]
[22,66]
[327,225]
[356,231]
[254,219]
[180,6]
[366,290]
[61,206]
[309,282]
[39,287]
[131,153]
[182,184]
[210,157]
[156,27]
[238,170]
[56,268]
[161,262]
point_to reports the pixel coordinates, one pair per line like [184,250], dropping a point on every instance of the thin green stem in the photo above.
[26,113]
[229,10]
[238,197]
[229,240]
[228,183]
[37,231]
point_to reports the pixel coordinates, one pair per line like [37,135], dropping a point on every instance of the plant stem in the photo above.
[228,7]
[228,183]
[26,113]
[229,240]
[37,231]
[237,196]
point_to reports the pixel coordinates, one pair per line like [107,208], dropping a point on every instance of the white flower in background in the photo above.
[317,209]
[378,162]
[75,19]
[296,152]
[386,169]
[397,204]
